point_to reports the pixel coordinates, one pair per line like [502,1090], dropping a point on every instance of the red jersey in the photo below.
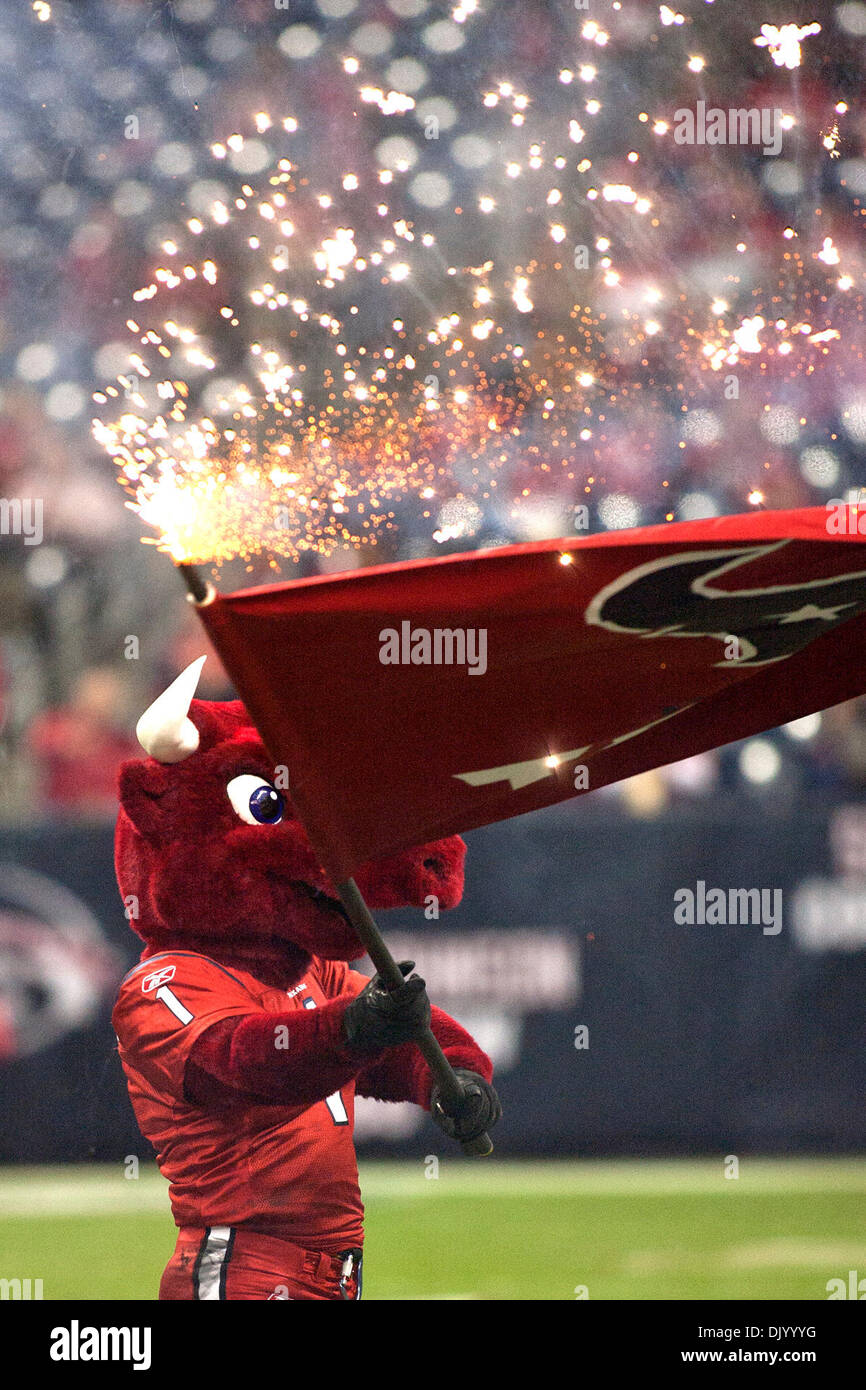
[280,1170]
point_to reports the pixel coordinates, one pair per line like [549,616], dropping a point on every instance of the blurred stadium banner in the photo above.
[415,700]
[615,1028]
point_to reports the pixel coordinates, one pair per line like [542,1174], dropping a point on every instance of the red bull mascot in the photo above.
[243,1032]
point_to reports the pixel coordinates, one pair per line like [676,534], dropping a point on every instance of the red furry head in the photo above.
[211,856]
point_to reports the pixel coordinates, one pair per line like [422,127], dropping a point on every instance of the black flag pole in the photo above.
[450,1088]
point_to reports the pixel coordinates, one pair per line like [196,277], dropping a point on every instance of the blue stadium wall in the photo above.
[616,1029]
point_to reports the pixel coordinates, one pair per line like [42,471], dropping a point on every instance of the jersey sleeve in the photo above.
[336,977]
[165,1005]
[401,1073]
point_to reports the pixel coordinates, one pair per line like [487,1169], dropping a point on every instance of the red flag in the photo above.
[416,700]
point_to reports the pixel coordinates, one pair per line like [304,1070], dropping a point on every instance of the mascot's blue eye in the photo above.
[255,800]
[267,805]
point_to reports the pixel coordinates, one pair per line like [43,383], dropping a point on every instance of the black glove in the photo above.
[381,1017]
[478,1111]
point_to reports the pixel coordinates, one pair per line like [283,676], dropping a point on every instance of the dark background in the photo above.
[702,1039]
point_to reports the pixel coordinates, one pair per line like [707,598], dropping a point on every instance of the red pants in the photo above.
[227,1262]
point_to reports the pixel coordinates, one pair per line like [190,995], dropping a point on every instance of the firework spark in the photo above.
[309,357]
[783,42]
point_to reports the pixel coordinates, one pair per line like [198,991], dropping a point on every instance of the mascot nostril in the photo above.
[244,1033]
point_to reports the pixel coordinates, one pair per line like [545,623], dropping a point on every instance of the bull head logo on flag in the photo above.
[676,595]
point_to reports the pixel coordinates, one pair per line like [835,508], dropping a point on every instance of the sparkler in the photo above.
[309,357]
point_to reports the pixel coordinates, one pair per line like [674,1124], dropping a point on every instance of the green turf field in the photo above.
[489,1230]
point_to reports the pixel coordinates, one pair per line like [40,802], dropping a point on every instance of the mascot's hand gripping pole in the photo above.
[448,1083]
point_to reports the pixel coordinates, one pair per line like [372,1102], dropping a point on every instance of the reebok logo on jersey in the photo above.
[157,978]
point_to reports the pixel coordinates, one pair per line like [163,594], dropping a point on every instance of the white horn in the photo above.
[165,730]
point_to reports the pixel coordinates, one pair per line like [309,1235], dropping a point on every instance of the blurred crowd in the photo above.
[84,207]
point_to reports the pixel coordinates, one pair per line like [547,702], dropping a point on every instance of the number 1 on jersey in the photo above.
[337,1108]
[171,1001]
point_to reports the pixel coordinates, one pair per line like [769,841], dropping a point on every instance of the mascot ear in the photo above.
[142,787]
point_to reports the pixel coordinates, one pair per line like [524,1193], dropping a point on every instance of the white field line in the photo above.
[554,1178]
[797,1252]
[88,1191]
[102,1193]
[784,1252]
